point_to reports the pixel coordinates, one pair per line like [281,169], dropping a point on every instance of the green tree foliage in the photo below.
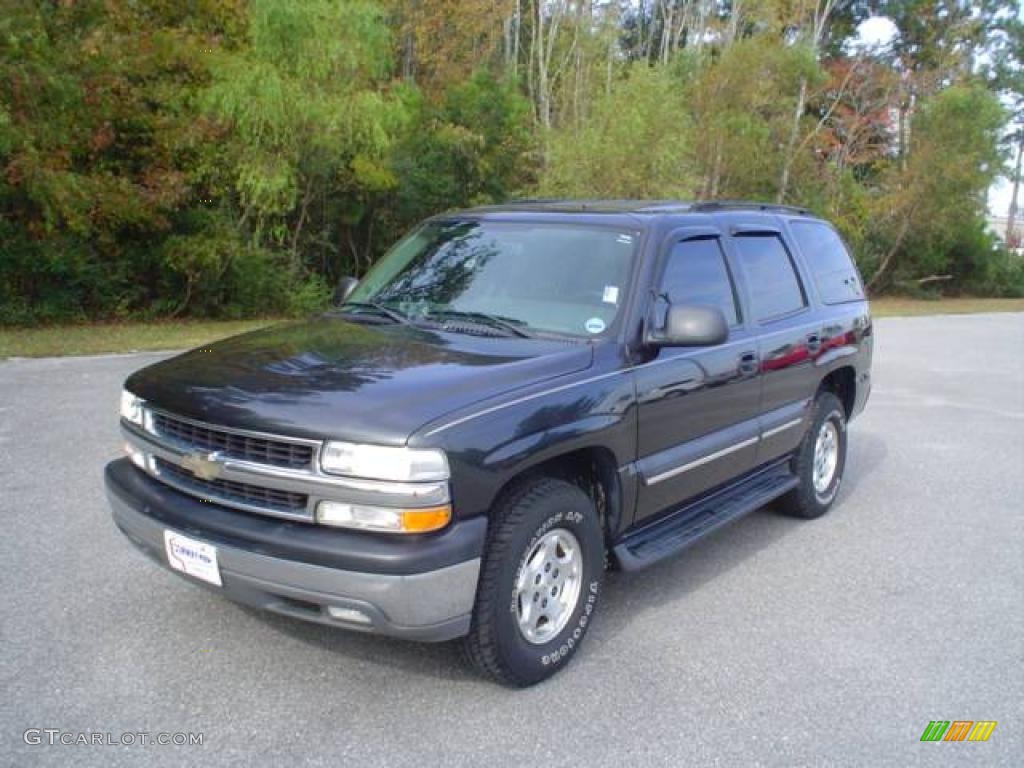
[235,157]
[101,148]
[636,141]
[1005,74]
[744,103]
[477,146]
[938,200]
[311,120]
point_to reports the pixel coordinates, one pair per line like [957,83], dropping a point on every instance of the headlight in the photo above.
[387,519]
[131,408]
[378,462]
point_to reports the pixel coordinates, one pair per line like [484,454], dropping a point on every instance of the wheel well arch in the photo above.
[593,469]
[842,382]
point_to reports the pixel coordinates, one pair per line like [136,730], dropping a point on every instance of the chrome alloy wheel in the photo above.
[548,586]
[826,456]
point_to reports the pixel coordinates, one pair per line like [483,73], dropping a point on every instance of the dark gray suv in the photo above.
[513,399]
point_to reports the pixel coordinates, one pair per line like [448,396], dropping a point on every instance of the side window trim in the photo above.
[740,232]
[784,315]
[705,232]
[754,230]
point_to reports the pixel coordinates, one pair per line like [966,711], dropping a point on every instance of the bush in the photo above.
[1002,276]
[208,273]
[257,283]
[56,279]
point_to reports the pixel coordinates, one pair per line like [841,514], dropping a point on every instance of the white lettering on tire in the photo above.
[556,656]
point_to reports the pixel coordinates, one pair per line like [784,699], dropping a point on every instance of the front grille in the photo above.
[278,453]
[227,491]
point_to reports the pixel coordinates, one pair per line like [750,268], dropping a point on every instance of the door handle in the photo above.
[748,363]
[813,343]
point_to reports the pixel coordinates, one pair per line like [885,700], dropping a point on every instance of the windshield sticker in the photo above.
[594,325]
[625,239]
[611,294]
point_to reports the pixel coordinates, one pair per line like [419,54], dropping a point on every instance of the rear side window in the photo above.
[775,289]
[829,262]
[696,274]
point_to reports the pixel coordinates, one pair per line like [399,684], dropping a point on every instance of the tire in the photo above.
[544,523]
[807,500]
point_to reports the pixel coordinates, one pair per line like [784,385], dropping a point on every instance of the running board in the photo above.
[678,530]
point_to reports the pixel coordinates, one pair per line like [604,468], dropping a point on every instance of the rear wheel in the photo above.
[819,461]
[539,583]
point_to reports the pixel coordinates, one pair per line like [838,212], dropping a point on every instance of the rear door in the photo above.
[789,335]
[697,406]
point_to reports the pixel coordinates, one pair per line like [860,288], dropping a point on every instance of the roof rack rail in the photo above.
[528,200]
[723,205]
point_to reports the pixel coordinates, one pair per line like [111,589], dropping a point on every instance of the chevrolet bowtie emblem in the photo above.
[205,466]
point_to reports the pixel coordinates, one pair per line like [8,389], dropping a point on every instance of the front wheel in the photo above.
[819,461]
[539,583]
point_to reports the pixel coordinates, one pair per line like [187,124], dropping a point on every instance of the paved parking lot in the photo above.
[775,642]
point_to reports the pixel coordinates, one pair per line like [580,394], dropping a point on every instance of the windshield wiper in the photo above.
[508,324]
[379,309]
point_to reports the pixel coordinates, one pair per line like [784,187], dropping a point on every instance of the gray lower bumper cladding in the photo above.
[431,606]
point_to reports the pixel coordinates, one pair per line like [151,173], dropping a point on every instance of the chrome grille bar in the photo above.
[244,495]
[276,452]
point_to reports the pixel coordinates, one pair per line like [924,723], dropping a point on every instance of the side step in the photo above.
[678,530]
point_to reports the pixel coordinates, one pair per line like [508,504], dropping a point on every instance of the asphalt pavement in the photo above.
[774,642]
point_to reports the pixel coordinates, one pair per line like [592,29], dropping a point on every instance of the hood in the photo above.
[328,377]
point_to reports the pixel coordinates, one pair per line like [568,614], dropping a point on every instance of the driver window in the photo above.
[696,273]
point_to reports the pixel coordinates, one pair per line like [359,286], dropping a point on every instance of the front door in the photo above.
[697,406]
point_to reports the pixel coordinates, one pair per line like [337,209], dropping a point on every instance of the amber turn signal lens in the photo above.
[428,519]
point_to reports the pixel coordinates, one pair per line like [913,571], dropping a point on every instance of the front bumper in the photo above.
[416,587]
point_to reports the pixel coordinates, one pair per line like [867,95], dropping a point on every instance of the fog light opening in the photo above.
[351,615]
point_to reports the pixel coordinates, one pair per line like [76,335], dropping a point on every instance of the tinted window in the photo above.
[696,274]
[562,278]
[830,263]
[774,287]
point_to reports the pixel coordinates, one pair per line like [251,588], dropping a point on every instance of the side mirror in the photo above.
[345,287]
[691,325]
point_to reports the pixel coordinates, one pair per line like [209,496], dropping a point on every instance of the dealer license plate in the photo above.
[196,558]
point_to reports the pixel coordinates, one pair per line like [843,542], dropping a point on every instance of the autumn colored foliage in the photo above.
[232,158]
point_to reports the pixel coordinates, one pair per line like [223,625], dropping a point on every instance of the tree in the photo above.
[1006,76]
[744,104]
[228,157]
[102,154]
[940,191]
[810,24]
[445,41]
[311,121]
[851,143]
[637,142]
[935,47]
[476,147]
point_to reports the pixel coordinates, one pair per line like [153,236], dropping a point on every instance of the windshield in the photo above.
[556,278]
